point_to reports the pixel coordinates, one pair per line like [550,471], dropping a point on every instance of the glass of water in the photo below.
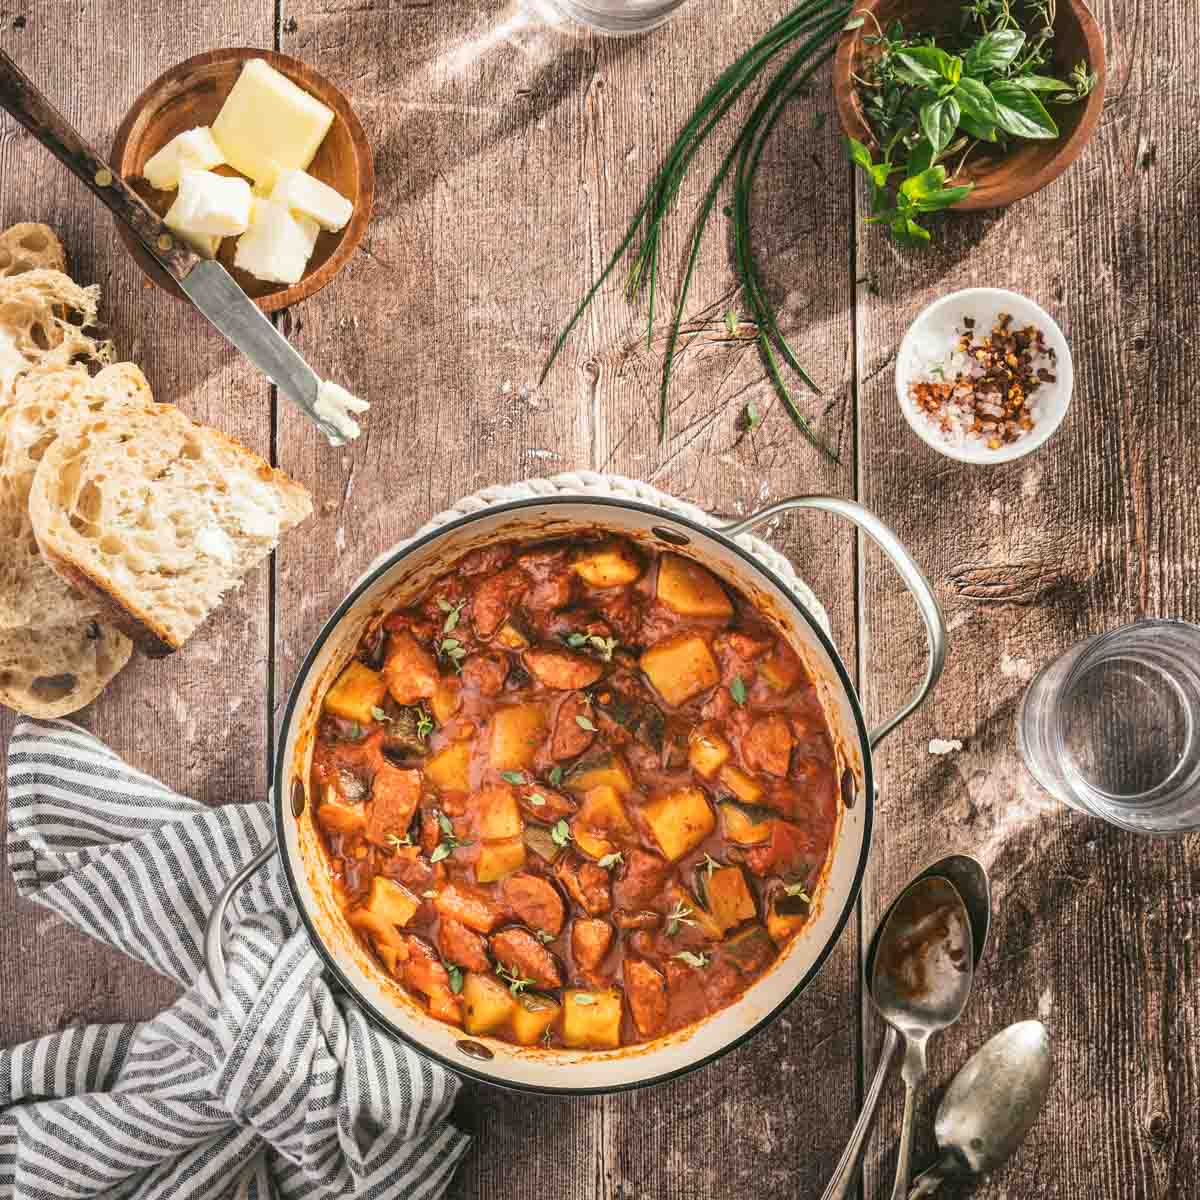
[609,16]
[1113,727]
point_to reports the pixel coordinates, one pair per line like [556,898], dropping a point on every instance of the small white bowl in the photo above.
[936,331]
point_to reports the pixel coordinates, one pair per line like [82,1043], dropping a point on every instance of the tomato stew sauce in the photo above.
[579,795]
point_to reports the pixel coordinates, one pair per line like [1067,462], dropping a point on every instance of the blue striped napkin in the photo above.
[278,1088]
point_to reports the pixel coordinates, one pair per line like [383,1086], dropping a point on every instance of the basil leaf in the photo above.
[937,62]
[994,51]
[983,130]
[1040,83]
[858,153]
[944,198]
[926,184]
[879,174]
[1020,112]
[921,159]
[939,120]
[908,233]
[911,70]
[976,101]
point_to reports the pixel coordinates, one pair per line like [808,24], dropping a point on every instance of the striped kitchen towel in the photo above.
[278,1088]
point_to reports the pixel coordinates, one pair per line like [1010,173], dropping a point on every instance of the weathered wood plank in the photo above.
[1094,927]
[193,720]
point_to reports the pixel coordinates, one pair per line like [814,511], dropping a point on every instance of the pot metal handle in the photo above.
[912,575]
[214,950]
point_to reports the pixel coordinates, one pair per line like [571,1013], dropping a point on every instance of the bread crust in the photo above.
[30,246]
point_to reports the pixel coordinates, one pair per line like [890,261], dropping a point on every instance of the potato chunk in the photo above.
[708,751]
[781,668]
[341,816]
[613,564]
[604,811]
[411,671]
[680,667]
[517,732]
[498,815]
[356,694]
[688,589]
[449,769]
[741,784]
[591,1020]
[488,1004]
[389,907]
[680,821]
[532,1015]
[498,859]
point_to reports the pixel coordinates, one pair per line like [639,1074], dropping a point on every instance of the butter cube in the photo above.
[210,203]
[304,194]
[268,124]
[204,244]
[193,149]
[276,246]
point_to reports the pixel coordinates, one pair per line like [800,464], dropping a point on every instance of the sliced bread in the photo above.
[157,518]
[30,247]
[44,318]
[56,671]
[32,595]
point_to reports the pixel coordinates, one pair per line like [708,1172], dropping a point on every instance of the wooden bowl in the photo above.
[191,94]
[1030,165]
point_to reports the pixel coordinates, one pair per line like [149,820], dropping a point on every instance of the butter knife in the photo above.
[207,284]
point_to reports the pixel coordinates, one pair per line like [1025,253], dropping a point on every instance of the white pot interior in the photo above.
[396,579]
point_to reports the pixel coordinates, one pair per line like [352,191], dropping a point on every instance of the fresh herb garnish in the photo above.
[543,937]
[452,649]
[424,724]
[555,776]
[397,842]
[456,977]
[379,714]
[608,861]
[536,799]
[547,1036]
[797,890]
[516,983]
[930,104]
[710,865]
[449,841]
[584,998]
[605,645]
[517,777]
[355,732]
[452,611]
[681,914]
[698,961]
[806,38]
[560,835]
[585,723]
[737,689]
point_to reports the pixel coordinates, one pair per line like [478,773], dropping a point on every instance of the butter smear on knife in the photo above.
[334,406]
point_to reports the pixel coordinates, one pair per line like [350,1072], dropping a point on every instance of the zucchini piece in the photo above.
[680,821]
[591,1020]
[687,588]
[532,1015]
[751,951]
[537,838]
[449,769]
[745,827]
[740,784]
[488,1005]
[597,771]
[517,732]
[680,667]
[356,694]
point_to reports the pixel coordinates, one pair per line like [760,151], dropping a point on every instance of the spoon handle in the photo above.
[841,1186]
[904,1155]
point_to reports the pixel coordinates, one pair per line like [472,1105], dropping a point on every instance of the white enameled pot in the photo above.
[398,577]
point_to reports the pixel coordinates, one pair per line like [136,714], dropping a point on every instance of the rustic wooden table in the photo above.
[509,162]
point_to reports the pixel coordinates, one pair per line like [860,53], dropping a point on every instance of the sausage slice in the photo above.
[535,901]
[521,954]
[646,991]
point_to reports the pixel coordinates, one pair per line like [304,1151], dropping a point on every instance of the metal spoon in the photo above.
[971,881]
[990,1105]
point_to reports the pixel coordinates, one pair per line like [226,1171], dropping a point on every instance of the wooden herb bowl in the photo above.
[191,94]
[1028,166]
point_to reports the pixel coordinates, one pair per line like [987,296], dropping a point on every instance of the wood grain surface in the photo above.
[509,158]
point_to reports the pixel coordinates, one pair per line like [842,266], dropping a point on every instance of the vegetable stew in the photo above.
[579,795]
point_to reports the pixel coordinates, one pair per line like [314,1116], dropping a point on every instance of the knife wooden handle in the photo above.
[30,107]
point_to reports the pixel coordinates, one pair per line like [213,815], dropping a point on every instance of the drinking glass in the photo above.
[611,16]
[1113,727]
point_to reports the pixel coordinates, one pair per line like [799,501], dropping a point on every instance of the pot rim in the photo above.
[282,793]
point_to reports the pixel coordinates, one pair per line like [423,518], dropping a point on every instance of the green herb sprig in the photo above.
[808,34]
